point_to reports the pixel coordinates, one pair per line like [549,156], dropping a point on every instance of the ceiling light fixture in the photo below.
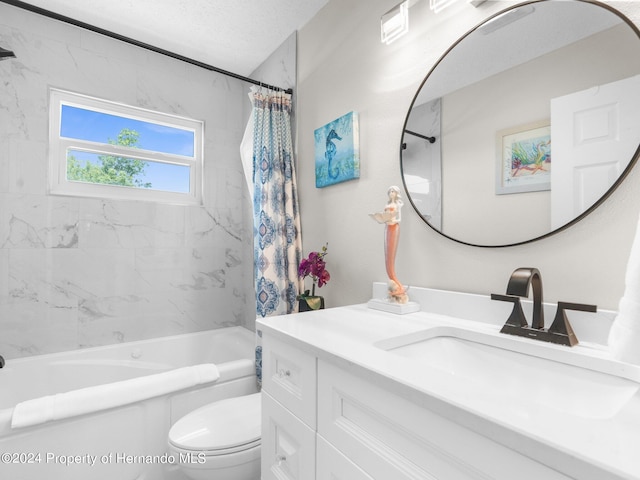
[438,5]
[394,23]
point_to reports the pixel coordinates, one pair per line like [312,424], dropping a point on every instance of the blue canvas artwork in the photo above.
[337,151]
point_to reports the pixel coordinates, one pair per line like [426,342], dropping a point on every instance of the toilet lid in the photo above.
[221,425]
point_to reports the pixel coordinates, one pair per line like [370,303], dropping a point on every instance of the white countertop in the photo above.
[605,447]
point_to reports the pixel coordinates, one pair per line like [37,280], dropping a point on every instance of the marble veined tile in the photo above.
[4,273]
[35,221]
[35,276]
[156,93]
[4,161]
[121,224]
[125,306]
[12,118]
[65,277]
[184,270]
[127,318]
[213,227]
[206,309]
[32,328]
[27,167]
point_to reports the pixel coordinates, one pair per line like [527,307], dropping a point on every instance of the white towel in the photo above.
[110,395]
[624,336]
[624,343]
[629,311]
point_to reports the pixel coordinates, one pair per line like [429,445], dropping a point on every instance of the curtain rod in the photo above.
[430,139]
[77,23]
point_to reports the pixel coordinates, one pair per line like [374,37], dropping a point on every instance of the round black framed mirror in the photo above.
[526,124]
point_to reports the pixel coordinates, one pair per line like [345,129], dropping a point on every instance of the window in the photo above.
[105,149]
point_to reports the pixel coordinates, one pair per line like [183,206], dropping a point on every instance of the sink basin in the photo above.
[520,374]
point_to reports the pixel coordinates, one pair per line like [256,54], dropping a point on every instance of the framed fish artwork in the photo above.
[337,151]
[524,159]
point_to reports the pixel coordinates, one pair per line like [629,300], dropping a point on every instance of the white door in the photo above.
[594,134]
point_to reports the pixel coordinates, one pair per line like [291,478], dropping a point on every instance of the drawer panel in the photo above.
[391,437]
[289,376]
[332,465]
[288,445]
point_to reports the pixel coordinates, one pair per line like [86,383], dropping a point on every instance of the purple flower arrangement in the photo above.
[315,267]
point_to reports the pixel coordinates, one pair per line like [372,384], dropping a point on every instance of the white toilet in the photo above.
[219,441]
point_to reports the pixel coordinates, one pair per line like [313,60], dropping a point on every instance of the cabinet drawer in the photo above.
[289,376]
[288,445]
[332,465]
[388,436]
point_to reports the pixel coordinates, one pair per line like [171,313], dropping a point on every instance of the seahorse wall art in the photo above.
[337,151]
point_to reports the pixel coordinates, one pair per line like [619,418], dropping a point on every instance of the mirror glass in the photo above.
[526,124]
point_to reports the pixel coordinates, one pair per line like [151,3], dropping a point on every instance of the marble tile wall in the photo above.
[79,272]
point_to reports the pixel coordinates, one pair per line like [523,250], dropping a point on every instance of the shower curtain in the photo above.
[276,223]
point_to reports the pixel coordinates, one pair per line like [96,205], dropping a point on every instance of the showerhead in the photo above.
[4,54]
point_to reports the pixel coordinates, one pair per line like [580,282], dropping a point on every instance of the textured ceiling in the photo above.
[234,35]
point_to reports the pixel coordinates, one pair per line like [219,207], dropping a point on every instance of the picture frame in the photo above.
[337,151]
[523,162]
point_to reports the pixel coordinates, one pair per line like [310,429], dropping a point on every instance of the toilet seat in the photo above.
[218,452]
[220,428]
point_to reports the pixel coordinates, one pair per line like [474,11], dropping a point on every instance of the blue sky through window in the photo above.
[101,127]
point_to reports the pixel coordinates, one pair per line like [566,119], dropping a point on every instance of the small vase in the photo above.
[307,304]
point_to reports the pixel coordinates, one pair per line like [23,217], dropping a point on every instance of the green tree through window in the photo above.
[109,169]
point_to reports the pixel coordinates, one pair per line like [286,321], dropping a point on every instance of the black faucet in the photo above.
[559,332]
[518,285]
[1,361]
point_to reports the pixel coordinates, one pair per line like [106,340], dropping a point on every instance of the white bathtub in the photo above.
[127,442]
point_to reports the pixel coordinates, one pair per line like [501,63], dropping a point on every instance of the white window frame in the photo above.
[58,147]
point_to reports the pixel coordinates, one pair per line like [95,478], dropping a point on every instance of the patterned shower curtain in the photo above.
[276,223]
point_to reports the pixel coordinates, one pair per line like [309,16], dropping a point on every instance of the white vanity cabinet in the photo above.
[288,445]
[289,384]
[328,420]
[391,437]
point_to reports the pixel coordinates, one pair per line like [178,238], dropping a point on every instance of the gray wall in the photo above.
[342,66]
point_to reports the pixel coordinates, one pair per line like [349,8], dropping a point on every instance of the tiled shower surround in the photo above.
[78,272]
